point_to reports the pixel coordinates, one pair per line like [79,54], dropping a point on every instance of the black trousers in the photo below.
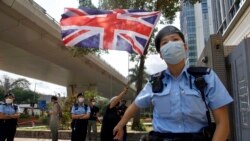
[79,130]
[7,132]
[154,136]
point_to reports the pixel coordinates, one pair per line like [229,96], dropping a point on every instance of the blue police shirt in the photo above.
[8,109]
[180,109]
[80,109]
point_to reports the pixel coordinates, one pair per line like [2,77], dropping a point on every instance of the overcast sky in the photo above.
[117,59]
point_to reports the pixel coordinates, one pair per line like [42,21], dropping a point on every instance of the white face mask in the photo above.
[173,52]
[8,100]
[81,99]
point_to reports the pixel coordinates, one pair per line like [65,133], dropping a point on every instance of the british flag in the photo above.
[119,29]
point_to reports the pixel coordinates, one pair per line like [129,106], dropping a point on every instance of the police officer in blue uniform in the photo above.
[80,113]
[179,109]
[9,113]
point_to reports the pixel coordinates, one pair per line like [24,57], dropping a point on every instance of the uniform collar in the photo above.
[8,104]
[183,72]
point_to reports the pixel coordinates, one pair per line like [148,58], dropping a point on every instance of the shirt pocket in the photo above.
[194,103]
[162,104]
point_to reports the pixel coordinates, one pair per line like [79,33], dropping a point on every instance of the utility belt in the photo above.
[8,122]
[156,136]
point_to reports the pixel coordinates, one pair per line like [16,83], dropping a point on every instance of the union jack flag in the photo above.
[119,29]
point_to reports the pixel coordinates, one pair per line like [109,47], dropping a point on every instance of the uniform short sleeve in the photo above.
[18,110]
[88,110]
[143,99]
[73,110]
[217,94]
[1,108]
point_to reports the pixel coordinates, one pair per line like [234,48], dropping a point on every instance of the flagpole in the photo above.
[128,71]
[128,64]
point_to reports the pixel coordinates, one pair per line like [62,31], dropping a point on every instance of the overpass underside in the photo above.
[30,45]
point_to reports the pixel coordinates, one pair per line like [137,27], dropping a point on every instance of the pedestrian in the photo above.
[80,113]
[111,117]
[94,113]
[54,115]
[9,114]
[180,104]
[122,108]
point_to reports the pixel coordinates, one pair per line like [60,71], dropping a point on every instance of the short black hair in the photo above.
[80,94]
[54,98]
[167,30]
[9,94]
[92,100]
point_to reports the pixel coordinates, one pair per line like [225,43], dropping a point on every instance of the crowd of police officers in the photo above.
[81,113]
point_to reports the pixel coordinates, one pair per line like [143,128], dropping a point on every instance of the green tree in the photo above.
[9,84]
[68,102]
[20,87]
[24,96]
[168,9]
[87,3]
[132,77]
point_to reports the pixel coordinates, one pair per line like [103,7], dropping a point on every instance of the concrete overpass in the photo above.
[30,45]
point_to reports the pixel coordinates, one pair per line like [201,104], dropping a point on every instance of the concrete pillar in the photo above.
[213,56]
[71,89]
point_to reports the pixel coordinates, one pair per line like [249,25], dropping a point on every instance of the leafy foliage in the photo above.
[67,103]
[9,84]
[86,3]
[134,73]
[167,7]
[79,52]
[20,87]
[23,96]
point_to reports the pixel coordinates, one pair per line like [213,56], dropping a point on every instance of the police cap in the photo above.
[80,94]
[167,30]
[9,94]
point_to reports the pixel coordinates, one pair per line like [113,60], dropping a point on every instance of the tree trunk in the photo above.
[136,121]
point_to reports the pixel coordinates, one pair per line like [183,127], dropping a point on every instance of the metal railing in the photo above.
[42,10]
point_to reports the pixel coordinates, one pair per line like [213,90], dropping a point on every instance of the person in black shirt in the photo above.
[122,108]
[111,117]
[94,112]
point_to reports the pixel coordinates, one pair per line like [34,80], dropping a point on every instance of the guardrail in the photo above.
[41,9]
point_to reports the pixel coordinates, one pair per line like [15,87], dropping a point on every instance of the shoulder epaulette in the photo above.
[76,106]
[198,71]
[158,75]
[156,82]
